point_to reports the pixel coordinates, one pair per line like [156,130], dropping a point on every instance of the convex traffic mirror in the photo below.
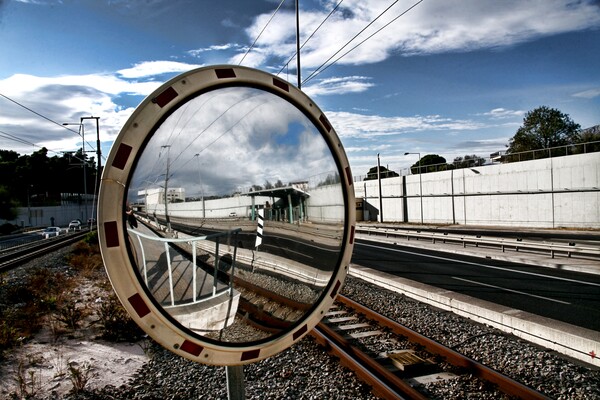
[226,215]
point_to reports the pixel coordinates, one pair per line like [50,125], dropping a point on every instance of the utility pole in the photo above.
[99,163]
[168,147]
[380,192]
[298,44]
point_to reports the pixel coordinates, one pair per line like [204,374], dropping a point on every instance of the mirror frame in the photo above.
[112,231]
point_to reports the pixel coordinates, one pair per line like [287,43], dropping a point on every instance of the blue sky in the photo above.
[447,77]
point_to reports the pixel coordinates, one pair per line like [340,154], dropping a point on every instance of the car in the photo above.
[75,224]
[51,231]
[232,214]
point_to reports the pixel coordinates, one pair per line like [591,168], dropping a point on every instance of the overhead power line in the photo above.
[17,139]
[44,117]
[321,68]
[311,35]
[261,32]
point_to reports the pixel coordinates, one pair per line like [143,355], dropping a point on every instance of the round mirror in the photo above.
[226,215]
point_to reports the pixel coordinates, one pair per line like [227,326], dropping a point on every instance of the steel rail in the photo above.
[504,383]
[384,383]
[13,259]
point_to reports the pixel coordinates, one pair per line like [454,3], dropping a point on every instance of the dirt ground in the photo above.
[53,362]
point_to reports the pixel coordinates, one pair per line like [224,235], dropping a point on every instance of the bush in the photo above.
[7,228]
[116,324]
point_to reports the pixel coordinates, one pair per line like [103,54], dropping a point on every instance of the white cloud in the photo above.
[339,85]
[223,47]
[431,27]
[65,99]
[358,125]
[502,113]
[153,68]
[588,94]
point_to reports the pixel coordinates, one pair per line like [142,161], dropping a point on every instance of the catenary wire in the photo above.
[17,139]
[317,71]
[322,67]
[311,35]
[44,117]
[261,32]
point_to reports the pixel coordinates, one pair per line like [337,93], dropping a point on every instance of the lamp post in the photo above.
[82,134]
[420,184]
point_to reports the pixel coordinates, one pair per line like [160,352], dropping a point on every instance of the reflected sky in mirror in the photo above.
[249,231]
[230,140]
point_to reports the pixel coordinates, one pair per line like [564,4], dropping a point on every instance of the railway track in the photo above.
[395,361]
[351,331]
[357,335]
[16,256]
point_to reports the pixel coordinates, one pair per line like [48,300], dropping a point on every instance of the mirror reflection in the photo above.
[235,215]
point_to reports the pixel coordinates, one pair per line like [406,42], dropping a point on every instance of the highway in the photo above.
[566,296]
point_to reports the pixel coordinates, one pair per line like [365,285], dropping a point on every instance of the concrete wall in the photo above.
[44,216]
[325,204]
[548,193]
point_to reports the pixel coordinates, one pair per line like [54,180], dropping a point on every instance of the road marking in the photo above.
[510,290]
[484,265]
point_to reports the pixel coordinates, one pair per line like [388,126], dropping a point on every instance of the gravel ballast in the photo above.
[305,371]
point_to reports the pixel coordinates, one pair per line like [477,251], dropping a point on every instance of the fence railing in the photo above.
[495,158]
[167,242]
[568,249]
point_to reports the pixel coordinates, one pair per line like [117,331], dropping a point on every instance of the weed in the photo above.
[70,312]
[28,384]
[80,376]
[116,324]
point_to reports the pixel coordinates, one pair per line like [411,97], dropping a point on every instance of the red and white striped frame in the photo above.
[112,227]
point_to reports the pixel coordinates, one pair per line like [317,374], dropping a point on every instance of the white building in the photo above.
[157,195]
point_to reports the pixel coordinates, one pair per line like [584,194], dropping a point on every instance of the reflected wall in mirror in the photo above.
[235,215]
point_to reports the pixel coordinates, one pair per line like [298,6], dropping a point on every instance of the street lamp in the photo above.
[420,184]
[82,134]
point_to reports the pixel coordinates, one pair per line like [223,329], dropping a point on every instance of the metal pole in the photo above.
[99,162]
[235,382]
[298,43]
[84,170]
[166,190]
[421,187]
[380,197]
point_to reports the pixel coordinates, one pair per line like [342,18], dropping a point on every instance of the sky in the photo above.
[443,77]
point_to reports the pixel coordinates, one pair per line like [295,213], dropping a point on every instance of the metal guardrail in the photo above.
[167,242]
[569,249]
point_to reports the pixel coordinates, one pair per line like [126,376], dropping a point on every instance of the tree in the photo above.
[468,161]
[543,128]
[383,172]
[431,160]
[8,206]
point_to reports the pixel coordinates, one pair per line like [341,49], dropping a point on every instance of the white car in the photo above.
[75,224]
[51,231]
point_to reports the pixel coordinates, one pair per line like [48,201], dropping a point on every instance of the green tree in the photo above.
[543,128]
[429,163]
[383,172]
[8,210]
[467,161]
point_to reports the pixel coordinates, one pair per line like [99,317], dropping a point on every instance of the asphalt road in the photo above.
[566,296]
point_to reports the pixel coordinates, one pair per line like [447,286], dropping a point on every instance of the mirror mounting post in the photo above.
[235,382]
